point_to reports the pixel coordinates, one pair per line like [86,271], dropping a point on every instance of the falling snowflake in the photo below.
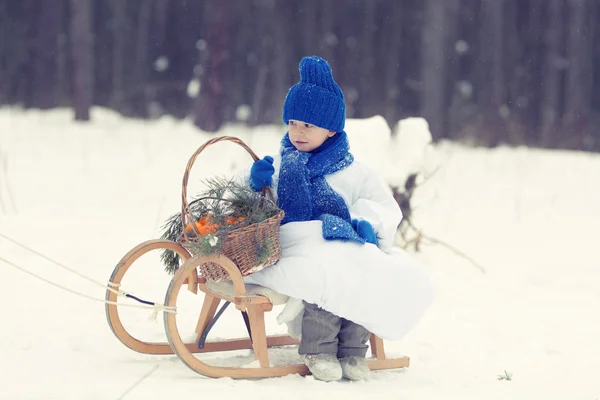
[161,64]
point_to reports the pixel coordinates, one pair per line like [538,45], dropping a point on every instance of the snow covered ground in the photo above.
[85,194]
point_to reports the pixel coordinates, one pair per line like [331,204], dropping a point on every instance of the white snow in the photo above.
[84,194]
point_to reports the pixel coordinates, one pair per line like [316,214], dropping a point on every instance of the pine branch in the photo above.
[222,199]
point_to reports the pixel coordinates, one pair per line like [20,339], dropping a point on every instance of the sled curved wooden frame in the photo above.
[254,306]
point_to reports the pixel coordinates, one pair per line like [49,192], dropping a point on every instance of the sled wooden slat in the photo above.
[163,348]
[389,363]
[192,282]
[240,302]
[209,308]
[377,347]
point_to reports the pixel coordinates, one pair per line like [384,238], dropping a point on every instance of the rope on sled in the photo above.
[155,306]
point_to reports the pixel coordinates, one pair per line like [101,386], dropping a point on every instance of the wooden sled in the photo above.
[253,306]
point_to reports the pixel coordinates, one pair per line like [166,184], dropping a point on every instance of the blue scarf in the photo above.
[304,194]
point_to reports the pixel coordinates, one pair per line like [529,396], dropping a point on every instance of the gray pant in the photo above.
[324,332]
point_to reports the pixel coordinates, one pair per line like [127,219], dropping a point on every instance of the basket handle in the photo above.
[186,214]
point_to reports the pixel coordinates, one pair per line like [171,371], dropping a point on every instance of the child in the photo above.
[337,235]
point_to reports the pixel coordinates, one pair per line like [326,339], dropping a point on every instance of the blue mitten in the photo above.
[336,228]
[365,230]
[261,173]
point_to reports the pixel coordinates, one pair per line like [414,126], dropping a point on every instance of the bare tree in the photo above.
[391,77]
[284,66]
[265,10]
[119,9]
[81,39]
[63,54]
[44,78]
[369,81]
[492,94]
[577,91]
[210,103]
[141,56]
[550,107]
[434,65]
[162,12]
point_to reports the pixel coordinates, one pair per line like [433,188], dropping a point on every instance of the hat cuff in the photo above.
[315,105]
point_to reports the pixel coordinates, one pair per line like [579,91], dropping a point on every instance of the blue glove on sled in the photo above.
[365,230]
[261,173]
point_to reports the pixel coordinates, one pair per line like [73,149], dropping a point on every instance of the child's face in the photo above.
[306,137]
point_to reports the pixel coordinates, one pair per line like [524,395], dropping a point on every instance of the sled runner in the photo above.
[253,301]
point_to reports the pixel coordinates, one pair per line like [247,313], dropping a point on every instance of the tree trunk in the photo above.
[266,13]
[4,79]
[367,103]
[141,61]
[533,59]
[327,40]
[24,50]
[44,69]
[393,65]
[119,52]
[162,12]
[240,75]
[82,59]
[434,58]
[308,9]
[463,69]
[492,86]
[515,64]
[579,80]
[210,103]
[551,74]
[63,53]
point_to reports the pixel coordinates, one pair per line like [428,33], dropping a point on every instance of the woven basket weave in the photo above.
[240,245]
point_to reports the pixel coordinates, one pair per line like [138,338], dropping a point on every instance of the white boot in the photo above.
[324,367]
[355,368]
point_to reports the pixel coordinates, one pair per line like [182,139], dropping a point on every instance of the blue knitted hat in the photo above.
[316,99]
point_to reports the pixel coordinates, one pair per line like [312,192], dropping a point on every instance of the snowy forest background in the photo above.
[483,71]
[508,233]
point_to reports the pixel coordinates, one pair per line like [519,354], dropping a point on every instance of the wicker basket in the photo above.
[240,245]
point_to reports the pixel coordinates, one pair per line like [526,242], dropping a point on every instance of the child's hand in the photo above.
[261,173]
[365,230]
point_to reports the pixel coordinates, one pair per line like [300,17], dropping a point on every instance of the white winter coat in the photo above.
[383,289]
